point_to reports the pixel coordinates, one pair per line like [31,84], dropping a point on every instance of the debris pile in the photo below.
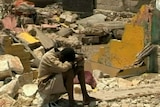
[27,32]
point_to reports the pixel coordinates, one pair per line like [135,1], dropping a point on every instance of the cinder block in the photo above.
[91,40]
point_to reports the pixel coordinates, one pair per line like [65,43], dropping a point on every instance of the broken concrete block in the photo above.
[5,70]
[91,40]
[6,100]
[71,18]
[11,88]
[73,26]
[64,15]
[29,90]
[97,18]
[17,49]
[71,41]
[14,63]
[39,52]
[64,32]
[25,78]
[26,101]
[123,83]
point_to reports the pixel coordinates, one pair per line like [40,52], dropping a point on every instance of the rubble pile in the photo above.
[28,32]
[138,91]
[142,97]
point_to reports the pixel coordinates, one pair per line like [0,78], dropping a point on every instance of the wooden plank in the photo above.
[127,93]
[132,72]
[45,40]
[105,69]
[116,72]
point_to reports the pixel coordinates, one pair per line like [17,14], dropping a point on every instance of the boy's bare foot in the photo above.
[88,100]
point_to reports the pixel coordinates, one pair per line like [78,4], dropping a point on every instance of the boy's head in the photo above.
[68,54]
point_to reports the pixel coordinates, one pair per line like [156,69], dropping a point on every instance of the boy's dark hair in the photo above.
[68,54]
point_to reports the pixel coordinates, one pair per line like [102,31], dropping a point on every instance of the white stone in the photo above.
[97,74]
[39,52]
[30,89]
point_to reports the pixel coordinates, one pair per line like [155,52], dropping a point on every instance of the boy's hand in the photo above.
[79,58]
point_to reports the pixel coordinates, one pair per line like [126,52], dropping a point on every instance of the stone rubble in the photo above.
[64,28]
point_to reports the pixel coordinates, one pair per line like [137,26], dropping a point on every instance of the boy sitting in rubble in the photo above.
[56,73]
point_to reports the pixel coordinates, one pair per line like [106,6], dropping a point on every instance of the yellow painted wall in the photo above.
[123,53]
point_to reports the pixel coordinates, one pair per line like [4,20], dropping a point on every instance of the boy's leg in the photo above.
[81,78]
[79,70]
[68,83]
